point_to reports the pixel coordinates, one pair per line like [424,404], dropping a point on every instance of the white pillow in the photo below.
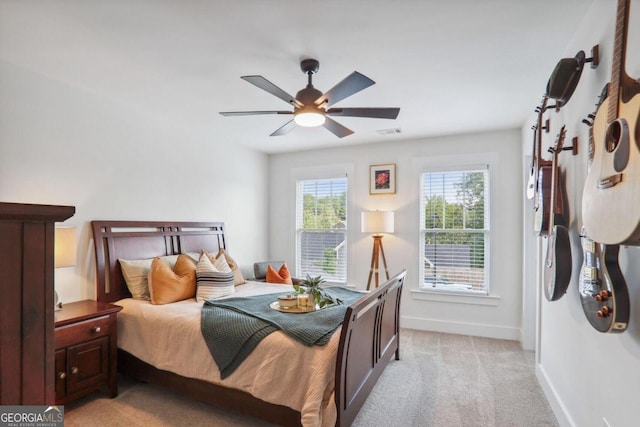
[135,274]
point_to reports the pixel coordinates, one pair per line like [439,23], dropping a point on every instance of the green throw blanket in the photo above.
[233,327]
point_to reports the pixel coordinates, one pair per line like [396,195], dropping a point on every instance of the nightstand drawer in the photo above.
[82,331]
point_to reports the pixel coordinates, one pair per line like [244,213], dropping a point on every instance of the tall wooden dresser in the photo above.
[27,302]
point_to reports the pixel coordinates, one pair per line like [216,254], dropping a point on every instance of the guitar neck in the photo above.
[617,69]
[555,170]
[538,130]
[554,185]
[534,155]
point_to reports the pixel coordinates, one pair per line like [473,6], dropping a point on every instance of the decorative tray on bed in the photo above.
[294,309]
[290,303]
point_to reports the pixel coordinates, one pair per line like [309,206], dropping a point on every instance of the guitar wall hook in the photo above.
[574,147]
[589,119]
[595,57]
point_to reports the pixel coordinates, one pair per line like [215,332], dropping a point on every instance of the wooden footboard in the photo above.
[369,338]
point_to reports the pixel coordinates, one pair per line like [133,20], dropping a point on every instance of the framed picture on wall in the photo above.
[382,179]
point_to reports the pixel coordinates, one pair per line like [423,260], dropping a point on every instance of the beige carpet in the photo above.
[441,380]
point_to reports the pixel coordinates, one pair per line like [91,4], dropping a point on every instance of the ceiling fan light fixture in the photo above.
[311,107]
[308,118]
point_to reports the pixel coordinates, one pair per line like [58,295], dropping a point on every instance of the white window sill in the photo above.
[458,297]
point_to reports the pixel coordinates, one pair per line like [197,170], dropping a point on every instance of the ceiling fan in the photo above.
[311,105]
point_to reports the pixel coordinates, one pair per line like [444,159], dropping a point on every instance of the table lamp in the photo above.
[64,253]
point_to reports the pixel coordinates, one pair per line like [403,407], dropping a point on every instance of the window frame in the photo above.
[333,172]
[461,163]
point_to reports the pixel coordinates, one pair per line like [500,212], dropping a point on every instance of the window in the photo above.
[321,229]
[454,217]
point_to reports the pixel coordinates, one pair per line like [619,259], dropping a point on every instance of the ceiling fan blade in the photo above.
[336,128]
[353,83]
[266,85]
[252,113]
[376,113]
[284,129]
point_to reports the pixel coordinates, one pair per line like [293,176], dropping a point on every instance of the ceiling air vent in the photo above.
[393,131]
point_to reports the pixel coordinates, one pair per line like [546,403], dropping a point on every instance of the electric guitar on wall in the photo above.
[611,195]
[557,261]
[603,290]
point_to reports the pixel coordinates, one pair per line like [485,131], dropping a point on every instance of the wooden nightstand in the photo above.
[86,342]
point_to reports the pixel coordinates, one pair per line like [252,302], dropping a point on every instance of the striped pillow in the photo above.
[213,280]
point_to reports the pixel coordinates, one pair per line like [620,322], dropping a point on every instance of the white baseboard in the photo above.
[461,328]
[555,402]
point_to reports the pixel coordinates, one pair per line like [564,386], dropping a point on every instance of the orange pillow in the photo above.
[281,276]
[166,285]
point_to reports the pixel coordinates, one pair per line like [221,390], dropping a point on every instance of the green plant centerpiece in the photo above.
[313,287]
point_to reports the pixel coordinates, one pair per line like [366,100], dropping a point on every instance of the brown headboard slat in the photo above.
[114,240]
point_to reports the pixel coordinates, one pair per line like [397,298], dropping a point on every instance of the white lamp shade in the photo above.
[377,222]
[65,247]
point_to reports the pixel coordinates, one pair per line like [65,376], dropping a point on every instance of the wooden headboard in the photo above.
[115,240]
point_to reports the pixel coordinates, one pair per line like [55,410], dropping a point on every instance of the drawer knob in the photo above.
[97,329]
[62,375]
[74,370]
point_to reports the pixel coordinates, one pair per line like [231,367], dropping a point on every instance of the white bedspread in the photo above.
[280,370]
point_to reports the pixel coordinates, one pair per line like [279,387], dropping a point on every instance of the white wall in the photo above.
[62,145]
[465,315]
[588,376]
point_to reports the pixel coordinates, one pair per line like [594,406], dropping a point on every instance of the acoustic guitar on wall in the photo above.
[611,194]
[536,158]
[542,170]
[545,207]
[557,261]
[603,290]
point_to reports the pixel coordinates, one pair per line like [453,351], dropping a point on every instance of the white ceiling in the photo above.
[452,66]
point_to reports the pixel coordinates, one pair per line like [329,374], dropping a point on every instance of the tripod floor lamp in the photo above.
[377,222]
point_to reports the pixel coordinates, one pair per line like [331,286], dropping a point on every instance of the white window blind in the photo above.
[455,230]
[321,225]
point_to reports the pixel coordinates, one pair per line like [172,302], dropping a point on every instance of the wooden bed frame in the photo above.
[369,336]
